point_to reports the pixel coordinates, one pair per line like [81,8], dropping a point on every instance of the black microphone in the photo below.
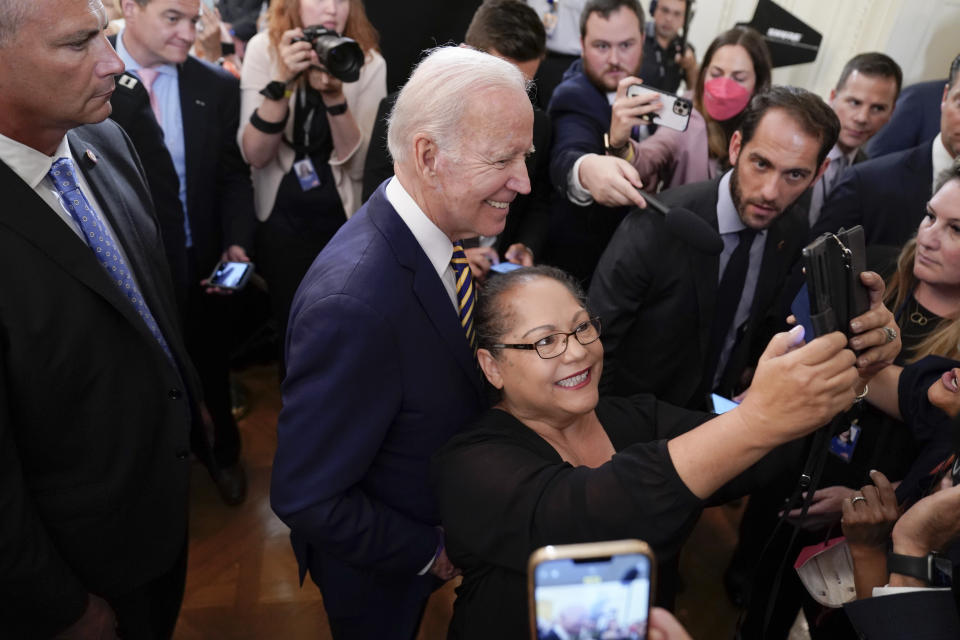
[688,226]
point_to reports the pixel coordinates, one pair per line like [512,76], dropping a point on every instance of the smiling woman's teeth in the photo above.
[498,205]
[573,381]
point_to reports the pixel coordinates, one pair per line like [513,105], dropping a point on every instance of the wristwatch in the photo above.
[624,152]
[337,109]
[934,569]
[615,151]
[276,90]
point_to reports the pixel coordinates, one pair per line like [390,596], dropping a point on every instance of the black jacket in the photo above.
[656,297]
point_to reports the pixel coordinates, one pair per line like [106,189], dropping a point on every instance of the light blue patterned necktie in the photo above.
[98,237]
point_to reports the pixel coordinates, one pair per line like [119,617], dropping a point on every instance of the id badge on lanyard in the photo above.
[304,169]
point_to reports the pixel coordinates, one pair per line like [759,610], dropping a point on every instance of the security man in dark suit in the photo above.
[95,382]
[197,106]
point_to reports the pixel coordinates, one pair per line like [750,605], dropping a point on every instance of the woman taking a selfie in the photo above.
[553,463]
[305,133]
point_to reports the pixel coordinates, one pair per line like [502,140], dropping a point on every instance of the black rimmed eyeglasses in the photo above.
[555,344]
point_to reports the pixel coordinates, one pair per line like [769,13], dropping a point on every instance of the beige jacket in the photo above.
[363,96]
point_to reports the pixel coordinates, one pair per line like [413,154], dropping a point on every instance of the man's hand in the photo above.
[481,259]
[612,181]
[874,330]
[443,568]
[519,253]
[235,253]
[796,390]
[96,623]
[627,111]
[944,394]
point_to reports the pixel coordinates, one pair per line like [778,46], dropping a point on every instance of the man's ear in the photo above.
[129,8]
[490,367]
[733,151]
[425,157]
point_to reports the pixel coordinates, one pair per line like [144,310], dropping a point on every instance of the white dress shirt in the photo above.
[32,167]
[942,160]
[433,241]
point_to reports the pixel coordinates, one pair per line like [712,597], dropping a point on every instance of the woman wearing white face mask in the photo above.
[736,66]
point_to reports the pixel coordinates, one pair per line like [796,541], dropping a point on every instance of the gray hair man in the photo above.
[95,383]
[380,350]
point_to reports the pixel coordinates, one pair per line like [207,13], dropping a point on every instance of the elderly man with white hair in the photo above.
[380,347]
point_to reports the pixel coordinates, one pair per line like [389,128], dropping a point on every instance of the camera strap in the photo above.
[808,482]
[306,107]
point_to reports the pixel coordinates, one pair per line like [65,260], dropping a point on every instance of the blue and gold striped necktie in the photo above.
[466,294]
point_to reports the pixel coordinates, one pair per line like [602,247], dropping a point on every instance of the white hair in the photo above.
[435,97]
[13,13]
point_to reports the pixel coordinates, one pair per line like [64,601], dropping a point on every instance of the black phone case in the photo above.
[833,264]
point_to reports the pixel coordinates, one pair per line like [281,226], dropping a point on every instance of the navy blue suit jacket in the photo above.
[887,195]
[379,376]
[580,115]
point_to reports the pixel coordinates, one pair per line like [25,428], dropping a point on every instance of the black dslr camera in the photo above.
[341,56]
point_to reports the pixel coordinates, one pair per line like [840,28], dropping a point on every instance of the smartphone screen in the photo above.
[800,308]
[505,267]
[606,597]
[230,275]
[721,404]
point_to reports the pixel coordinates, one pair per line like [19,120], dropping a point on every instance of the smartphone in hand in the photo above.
[606,586]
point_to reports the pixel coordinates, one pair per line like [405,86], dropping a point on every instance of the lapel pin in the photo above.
[127,81]
[91,156]
[201,103]
[780,245]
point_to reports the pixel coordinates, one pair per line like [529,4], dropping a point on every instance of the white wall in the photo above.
[923,36]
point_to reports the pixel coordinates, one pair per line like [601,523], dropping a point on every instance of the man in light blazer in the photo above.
[95,384]
[380,363]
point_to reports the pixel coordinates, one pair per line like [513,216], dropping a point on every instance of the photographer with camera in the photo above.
[309,93]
